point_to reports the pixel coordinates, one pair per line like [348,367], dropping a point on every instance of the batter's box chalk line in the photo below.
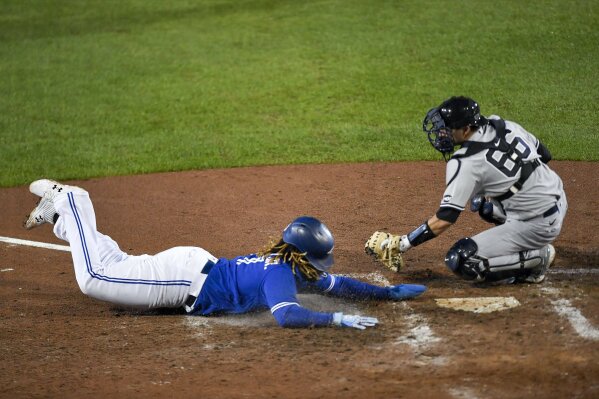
[463,393]
[17,241]
[419,336]
[564,308]
[374,277]
[573,271]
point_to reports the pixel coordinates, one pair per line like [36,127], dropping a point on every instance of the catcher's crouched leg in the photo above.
[462,259]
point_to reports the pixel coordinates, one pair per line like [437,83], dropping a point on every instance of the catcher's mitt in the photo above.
[388,253]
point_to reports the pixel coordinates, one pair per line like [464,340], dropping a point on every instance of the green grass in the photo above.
[96,88]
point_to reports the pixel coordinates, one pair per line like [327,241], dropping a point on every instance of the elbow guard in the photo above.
[448,214]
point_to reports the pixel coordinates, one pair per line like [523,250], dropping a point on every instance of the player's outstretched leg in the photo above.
[92,252]
[105,272]
[70,210]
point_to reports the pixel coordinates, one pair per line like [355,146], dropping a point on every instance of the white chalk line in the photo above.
[463,393]
[17,241]
[374,277]
[573,271]
[564,308]
[420,337]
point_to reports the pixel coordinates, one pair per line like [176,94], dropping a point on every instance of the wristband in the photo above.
[421,234]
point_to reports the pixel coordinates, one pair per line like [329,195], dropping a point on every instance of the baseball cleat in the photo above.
[39,187]
[538,275]
[43,213]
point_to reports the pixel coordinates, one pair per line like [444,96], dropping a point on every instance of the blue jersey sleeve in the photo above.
[280,292]
[347,287]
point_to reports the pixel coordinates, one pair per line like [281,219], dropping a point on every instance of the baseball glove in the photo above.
[384,247]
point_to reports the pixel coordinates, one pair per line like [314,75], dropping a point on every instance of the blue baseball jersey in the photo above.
[250,283]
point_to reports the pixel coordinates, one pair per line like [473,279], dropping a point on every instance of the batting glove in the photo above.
[405,291]
[359,322]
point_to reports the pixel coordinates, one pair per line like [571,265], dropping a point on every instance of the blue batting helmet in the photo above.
[311,236]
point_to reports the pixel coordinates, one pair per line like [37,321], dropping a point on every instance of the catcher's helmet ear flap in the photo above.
[311,236]
[453,113]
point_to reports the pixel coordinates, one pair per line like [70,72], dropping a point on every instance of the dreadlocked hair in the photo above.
[281,251]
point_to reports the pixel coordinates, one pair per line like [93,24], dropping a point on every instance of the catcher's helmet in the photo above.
[453,113]
[311,236]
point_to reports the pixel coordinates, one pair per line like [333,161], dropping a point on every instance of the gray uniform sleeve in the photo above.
[461,183]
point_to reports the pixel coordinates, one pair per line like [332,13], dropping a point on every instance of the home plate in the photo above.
[479,305]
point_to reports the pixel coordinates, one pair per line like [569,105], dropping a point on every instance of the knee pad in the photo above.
[461,260]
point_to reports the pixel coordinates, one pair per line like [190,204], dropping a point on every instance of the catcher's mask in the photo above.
[311,236]
[454,113]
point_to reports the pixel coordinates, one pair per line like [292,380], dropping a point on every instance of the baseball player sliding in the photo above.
[501,169]
[193,279]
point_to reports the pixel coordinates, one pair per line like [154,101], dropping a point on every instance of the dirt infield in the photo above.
[55,342]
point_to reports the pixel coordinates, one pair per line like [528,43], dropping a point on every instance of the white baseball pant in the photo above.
[105,272]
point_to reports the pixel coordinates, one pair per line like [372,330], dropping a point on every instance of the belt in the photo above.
[551,211]
[554,209]
[191,299]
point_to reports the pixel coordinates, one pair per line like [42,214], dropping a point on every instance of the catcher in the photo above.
[193,279]
[501,170]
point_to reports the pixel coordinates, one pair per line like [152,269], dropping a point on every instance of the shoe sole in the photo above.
[32,220]
[44,209]
[552,253]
